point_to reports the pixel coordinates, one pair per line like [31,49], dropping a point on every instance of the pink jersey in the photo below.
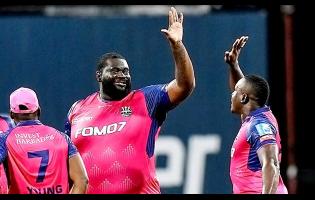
[5,124]
[37,158]
[258,129]
[116,139]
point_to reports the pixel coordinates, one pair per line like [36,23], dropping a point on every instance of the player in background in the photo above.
[6,123]
[40,158]
[115,129]
[256,150]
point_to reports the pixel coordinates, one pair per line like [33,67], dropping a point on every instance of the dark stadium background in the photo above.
[279,52]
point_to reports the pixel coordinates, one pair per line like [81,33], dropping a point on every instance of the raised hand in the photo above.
[231,57]
[174,33]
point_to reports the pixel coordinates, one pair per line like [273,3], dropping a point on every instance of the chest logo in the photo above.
[125,111]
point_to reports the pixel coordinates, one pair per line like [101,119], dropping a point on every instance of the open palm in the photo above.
[231,57]
[174,33]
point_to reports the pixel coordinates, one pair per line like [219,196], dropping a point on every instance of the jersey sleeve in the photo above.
[157,100]
[3,148]
[260,133]
[72,149]
[9,122]
[67,123]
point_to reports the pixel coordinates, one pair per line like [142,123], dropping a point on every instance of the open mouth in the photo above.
[121,84]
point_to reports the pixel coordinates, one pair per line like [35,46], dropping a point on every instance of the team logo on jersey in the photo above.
[125,111]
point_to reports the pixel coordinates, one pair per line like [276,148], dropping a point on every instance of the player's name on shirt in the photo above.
[32,138]
[45,190]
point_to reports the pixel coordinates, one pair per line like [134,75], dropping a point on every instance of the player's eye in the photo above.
[126,71]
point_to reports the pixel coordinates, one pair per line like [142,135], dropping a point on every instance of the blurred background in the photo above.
[54,49]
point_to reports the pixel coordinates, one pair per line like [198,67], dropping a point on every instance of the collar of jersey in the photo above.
[29,122]
[257,112]
[112,101]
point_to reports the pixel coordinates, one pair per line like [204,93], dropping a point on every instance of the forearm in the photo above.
[79,187]
[184,73]
[78,175]
[235,74]
[270,174]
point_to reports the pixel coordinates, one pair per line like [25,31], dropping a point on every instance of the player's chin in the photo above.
[232,109]
[121,90]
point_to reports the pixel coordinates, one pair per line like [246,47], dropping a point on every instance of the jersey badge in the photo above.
[125,111]
[264,129]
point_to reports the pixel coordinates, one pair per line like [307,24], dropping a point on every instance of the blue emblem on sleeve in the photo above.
[264,129]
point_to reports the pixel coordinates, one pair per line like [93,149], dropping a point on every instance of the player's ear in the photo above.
[11,115]
[98,76]
[245,99]
[38,112]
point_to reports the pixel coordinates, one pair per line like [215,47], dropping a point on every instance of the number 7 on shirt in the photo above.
[44,154]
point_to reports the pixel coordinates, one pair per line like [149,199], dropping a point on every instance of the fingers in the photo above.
[226,55]
[239,43]
[175,15]
[242,41]
[181,17]
[235,44]
[164,31]
[170,18]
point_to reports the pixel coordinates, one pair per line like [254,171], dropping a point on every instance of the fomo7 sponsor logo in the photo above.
[94,130]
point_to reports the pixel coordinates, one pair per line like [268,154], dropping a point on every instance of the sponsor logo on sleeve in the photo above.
[264,129]
[265,132]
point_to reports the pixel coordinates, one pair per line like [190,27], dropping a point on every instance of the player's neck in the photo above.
[248,108]
[104,97]
[111,95]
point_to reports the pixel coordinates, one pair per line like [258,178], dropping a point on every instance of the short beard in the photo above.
[111,91]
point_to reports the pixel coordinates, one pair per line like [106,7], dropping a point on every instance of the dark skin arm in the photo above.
[78,175]
[231,58]
[184,83]
[268,157]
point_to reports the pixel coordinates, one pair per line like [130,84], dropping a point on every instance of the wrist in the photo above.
[178,45]
[234,65]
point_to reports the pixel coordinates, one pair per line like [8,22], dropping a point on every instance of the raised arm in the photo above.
[78,175]
[268,156]
[184,82]
[231,58]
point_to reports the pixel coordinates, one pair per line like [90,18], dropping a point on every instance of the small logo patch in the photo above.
[264,129]
[82,119]
[125,111]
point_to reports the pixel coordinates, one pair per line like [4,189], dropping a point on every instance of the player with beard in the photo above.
[115,128]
